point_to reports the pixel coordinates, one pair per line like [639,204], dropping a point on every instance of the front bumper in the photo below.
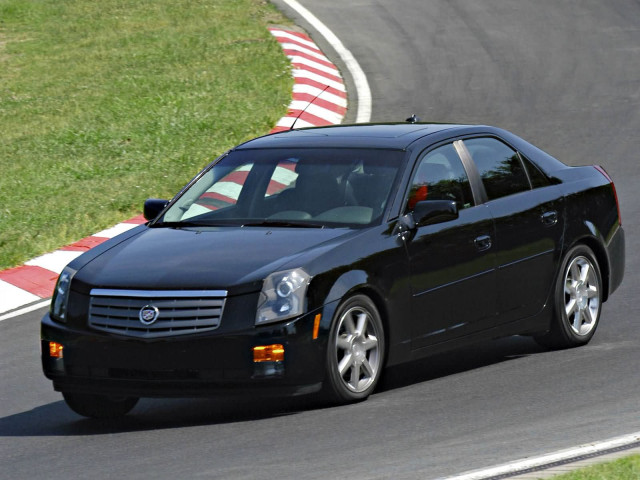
[207,364]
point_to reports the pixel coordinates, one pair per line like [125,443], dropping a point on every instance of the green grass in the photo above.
[105,103]
[624,469]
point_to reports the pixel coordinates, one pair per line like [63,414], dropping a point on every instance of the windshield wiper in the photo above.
[283,223]
[188,224]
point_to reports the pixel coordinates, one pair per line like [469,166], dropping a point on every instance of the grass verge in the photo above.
[627,468]
[103,104]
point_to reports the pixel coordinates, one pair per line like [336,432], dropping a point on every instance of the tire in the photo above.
[577,300]
[99,406]
[355,350]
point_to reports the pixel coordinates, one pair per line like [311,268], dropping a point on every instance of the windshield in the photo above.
[290,187]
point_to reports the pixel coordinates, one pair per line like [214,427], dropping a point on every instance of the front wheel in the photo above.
[355,350]
[578,300]
[99,406]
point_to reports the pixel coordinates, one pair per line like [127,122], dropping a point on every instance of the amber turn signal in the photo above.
[268,353]
[316,325]
[55,350]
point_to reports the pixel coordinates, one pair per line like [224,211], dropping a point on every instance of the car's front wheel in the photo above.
[578,300]
[99,406]
[355,351]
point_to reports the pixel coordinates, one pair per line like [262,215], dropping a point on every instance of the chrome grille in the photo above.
[180,312]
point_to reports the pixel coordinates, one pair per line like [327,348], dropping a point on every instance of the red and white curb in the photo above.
[316,80]
[314,76]
[36,279]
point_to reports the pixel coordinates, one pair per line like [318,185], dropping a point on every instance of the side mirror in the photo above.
[428,212]
[153,207]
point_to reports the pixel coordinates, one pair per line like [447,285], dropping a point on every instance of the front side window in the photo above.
[291,187]
[440,175]
[499,166]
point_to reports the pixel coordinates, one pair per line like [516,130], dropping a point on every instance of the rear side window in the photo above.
[499,166]
[538,179]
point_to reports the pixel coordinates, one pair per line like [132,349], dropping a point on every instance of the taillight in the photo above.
[613,186]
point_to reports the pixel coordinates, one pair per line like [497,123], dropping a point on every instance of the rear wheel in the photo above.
[99,406]
[578,300]
[355,351]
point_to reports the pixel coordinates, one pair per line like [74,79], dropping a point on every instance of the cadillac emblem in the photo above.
[148,314]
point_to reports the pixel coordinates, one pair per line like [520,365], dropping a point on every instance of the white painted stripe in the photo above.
[195,209]
[54,261]
[284,175]
[301,73]
[316,110]
[563,455]
[14,297]
[228,189]
[315,91]
[24,310]
[288,121]
[318,66]
[307,51]
[115,230]
[291,36]
[359,78]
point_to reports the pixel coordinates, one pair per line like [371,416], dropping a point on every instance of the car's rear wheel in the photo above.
[99,406]
[355,351]
[578,300]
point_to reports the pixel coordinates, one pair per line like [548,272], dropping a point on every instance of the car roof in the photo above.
[381,135]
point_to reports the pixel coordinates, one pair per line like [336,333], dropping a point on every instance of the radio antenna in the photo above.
[307,106]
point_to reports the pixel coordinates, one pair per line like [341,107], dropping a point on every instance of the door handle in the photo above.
[549,218]
[483,242]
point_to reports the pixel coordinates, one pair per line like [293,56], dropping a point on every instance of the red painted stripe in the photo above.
[335,78]
[217,196]
[236,177]
[308,117]
[85,244]
[304,36]
[299,44]
[36,280]
[138,220]
[288,165]
[296,34]
[275,187]
[313,83]
[305,97]
[298,53]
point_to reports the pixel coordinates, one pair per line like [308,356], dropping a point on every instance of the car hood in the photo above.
[235,259]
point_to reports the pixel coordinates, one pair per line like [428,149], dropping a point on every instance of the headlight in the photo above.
[283,296]
[61,295]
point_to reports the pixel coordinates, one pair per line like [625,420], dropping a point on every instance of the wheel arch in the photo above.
[356,282]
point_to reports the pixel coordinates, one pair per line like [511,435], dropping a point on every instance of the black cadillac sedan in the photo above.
[311,259]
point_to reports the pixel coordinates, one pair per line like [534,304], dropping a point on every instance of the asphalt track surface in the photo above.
[564,75]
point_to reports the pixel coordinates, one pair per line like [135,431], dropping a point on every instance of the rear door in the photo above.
[527,211]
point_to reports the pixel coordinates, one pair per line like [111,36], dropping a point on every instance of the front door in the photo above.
[452,264]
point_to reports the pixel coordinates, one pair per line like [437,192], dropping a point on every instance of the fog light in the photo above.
[55,350]
[268,353]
